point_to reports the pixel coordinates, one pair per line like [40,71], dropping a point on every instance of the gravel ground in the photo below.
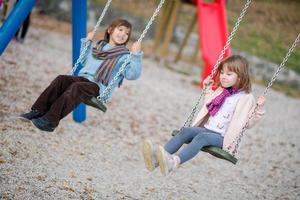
[101,158]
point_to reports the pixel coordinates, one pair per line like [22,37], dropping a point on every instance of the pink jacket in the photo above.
[243,110]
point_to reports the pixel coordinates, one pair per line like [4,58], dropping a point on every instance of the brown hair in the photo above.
[113,25]
[240,66]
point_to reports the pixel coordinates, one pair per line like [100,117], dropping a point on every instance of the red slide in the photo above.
[213,32]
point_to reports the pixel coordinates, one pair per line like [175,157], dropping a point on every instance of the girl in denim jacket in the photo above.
[102,62]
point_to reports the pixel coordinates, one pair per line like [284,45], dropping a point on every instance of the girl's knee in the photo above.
[76,86]
[185,131]
[60,77]
[201,138]
[182,134]
[186,134]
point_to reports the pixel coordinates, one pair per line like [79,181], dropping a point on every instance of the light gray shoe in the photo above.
[166,161]
[150,159]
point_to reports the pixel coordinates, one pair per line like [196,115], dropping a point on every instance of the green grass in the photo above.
[268,29]
[263,46]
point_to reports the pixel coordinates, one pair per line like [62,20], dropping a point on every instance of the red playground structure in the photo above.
[213,32]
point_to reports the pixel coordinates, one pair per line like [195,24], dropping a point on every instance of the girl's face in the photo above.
[228,78]
[119,35]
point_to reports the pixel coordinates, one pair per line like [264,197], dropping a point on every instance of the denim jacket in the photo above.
[90,65]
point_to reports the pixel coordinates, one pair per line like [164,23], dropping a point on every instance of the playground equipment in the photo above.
[17,16]
[14,21]
[79,26]
[213,34]
[212,26]
[99,101]
[220,153]
[215,151]
[212,30]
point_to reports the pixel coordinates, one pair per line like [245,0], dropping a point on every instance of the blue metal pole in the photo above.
[14,21]
[79,17]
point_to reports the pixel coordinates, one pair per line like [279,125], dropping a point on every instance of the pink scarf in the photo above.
[214,106]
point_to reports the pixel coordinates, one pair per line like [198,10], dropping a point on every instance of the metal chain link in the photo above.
[84,50]
[188,122]
[281,66]
[101,17]
[190,118]
[282,63]
[104,95]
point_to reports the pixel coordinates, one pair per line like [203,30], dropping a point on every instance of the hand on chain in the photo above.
[260,101]
[136,47]
[90,36]
[208,81]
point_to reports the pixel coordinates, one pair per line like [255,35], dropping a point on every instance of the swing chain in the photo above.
[188,122]
[281,66]
[84,49]
[230,37]
[104,95]
[151,20]
[241,134]
[282,63]
[101,18]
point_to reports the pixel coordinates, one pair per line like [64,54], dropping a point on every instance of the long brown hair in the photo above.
[240,66]
[114,24]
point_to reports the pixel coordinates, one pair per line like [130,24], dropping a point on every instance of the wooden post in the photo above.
[196,51]
[186,36]
[170,27]
[159,30]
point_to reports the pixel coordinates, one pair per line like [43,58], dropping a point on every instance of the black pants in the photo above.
[63,95]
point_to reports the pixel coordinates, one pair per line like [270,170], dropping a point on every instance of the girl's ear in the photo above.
[238,82]
[109,31]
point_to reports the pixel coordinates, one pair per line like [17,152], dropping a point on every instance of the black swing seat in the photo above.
[215,151]
[94,102]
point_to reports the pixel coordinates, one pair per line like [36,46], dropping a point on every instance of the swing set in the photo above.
[99,101]
[22,9]
[233,147]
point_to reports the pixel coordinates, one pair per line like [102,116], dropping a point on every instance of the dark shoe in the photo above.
[31,115]
[43,124]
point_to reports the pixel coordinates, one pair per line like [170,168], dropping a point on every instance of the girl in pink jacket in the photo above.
[225,112]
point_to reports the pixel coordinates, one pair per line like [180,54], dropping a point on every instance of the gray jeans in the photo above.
[199,137]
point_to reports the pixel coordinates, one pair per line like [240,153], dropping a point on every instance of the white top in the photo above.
[220,121]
